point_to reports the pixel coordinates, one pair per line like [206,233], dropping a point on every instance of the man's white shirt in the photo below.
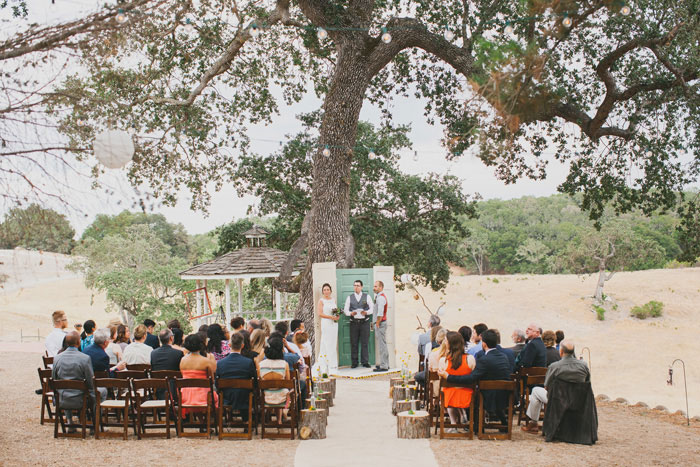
[358,313]
[54,341]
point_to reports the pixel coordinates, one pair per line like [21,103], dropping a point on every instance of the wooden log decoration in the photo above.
[398,382]
[333,386]
[320,404]
[328,396]
[405,405]
[402,393]
[413,426]
[324,385]
[312,424]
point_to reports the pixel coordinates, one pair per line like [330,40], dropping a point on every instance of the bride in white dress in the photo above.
[328,349]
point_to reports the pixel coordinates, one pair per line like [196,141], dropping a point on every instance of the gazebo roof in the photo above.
[246,262]
[255,231]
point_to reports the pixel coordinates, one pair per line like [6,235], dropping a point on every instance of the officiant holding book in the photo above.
[359,306]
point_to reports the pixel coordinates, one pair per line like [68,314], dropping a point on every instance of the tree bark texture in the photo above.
[315,420]
[320,404]
[328,396]
[415,426]
[401,393]
[405,405]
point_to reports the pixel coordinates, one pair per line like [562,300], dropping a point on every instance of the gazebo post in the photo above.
[278,305]
[228,300]
[198,299]
[205,305]
[240,296]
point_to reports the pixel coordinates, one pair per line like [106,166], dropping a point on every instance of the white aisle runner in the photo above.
[362,431]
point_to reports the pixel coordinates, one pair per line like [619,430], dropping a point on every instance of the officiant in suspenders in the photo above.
[381,305]
[358,307]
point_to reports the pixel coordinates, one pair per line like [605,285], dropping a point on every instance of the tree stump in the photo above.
[405,405]
[402,393]
[312,424]
[328,396]
[324,385]
[398,382]
[333,386]
[320,404]
[413,426]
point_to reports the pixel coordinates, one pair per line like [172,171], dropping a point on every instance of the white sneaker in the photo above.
[451,430]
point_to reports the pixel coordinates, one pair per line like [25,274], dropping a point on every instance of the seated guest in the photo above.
[236,366]
[98,356]
[466,333]
[283,328]
[275,363]
[151,340]
[138,352]
[114,350]
[533,355]
[203,328]
[560,337]
[568,369]
[424,338]
[174,323]
[86,336]
[123,336]
[166,357]
[237,324]
[178,338]
[549,339]
[266,325]
[434,355]
[476,337]
[257,344]
[455,363]
[54,341]
[197,364]
[507,352]
[217,344]
[247,350]
[292,358]
[301,340]
[432,343]
[253,324]
[295,325]
[492,366]
[518,338]
[75,365]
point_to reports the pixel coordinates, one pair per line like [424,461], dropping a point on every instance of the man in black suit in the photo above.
[236,366]
[507,352]
[534,353]
[151,340]
[493,365]
[99,358]
[165,357]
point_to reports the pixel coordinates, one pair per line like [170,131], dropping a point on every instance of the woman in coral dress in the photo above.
[197,364]
[456,362]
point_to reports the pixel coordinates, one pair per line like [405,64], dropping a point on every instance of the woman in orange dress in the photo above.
[456,362]
[197,364]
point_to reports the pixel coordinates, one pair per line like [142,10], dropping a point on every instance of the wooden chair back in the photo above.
[47,396]
[63,384]
[47,361]
[496,385]
[163,374]
[121,405]
[139,367]
[442,413]
[209,408]
[273,383]
[131,374]
[526,378]
[231,383]
[145,405]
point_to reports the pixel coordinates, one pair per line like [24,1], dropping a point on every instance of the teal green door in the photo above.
[345,280]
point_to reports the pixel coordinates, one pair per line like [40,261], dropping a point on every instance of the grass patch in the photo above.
[600,312]
[652,309]
[495,281]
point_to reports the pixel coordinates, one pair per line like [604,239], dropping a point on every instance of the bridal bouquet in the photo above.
[336,312]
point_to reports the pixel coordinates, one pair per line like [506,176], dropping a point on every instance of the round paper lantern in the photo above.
[114,148]
[405,278]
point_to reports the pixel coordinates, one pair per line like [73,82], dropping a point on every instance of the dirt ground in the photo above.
[23,441]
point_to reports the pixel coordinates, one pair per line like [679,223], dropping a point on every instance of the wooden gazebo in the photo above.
[253,261]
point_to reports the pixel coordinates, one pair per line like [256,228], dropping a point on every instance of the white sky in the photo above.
[226,205]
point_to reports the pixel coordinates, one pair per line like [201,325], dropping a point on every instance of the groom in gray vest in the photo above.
[358,307]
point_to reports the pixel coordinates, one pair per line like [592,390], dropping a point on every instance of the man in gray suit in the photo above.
[73,364]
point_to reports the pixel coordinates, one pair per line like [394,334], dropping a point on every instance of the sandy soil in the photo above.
[23,441]
[629,358]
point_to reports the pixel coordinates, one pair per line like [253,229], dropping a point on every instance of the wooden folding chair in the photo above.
[208,409]
[496,385]
[139,367]
[47,396]
[163,374]
[131,374]
[295,373]
[442,413]
[145,405]
[227,412]
[70,384]
[273,382]
[48,361]
[120,406]
[432,399]
[527,378]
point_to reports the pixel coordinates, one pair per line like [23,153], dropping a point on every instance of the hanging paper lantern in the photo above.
[405,278]
[114,148]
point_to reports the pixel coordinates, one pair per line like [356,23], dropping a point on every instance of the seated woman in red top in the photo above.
[456,362]
[197,364]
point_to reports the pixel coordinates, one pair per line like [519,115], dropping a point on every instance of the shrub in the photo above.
[600,312]
[675,264]
[653,309]
[494,280]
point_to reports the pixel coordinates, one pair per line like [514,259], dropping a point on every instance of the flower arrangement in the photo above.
[336,311]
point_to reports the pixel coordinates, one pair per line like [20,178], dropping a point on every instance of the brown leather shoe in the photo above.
[531,427]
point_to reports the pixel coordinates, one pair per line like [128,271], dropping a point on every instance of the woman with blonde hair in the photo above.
[266,326]
[257,344]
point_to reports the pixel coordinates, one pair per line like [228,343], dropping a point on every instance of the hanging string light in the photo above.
[254,30]
[386,37]
[322,34]
[509,28]
[372,154]
[415,156]
[189,27]
[121,16]
[625,10]
[326,151]
[567,21]
[449,35]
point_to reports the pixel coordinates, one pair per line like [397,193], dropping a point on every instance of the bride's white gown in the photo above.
[328,349]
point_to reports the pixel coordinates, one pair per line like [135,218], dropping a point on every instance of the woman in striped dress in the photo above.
[275,367]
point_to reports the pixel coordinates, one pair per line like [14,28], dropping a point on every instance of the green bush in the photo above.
[653,309]
[600,312]
[675,264]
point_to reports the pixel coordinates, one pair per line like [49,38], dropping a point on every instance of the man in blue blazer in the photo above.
[494,365]
[236,366]
[534,353]
[507,352]
[151,339]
